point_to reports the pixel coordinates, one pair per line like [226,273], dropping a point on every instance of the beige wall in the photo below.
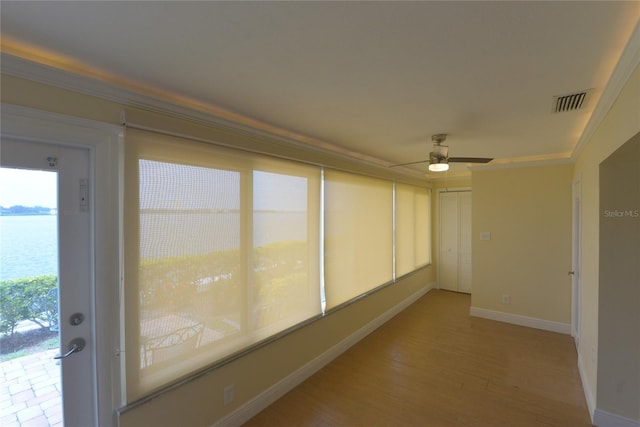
[620,124]
[452,184]
[619,272]
[200,402]
[528,213]
[26,93]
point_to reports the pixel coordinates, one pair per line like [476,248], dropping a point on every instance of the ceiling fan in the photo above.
[439,158]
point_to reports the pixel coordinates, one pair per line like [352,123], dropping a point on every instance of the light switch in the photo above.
[485,235]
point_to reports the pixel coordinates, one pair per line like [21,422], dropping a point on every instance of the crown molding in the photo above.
[20,61]
[98,86]
[89,82]
[626,65]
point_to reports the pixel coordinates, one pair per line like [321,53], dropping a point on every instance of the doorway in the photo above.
[46,263]
[454,249]
[99,146]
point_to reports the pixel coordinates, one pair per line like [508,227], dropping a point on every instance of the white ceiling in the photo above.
[375,78]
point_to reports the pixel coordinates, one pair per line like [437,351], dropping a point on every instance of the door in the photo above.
[62,390]
[454,261]
[449,237]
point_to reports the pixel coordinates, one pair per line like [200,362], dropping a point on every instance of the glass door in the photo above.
[47,358]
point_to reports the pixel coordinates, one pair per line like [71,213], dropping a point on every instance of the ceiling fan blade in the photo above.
[469,159]
[410,163]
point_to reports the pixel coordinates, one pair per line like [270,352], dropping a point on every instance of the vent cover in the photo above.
[570,102]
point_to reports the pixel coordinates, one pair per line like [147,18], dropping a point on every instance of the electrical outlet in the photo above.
[506,299]
[228,394]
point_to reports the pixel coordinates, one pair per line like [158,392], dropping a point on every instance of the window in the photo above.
[222,252]
[358,216]
[412,228]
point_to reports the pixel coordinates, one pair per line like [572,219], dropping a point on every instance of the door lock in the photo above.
[76,319]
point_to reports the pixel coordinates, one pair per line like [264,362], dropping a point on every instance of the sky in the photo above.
[28,188]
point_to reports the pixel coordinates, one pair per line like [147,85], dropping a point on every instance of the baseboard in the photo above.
[516,319]
[588,396]
[604,419]
[273,393]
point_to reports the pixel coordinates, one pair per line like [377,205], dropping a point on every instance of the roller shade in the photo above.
[358,235]
[221,251]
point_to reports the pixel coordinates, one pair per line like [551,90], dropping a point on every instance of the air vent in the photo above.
[570,102]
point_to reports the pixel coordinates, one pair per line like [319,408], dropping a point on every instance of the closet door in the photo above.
[448,259]
[454,261]
[464,242]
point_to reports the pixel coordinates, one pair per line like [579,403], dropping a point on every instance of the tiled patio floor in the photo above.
[30,391]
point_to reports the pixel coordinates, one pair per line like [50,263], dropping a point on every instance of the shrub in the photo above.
[30,298]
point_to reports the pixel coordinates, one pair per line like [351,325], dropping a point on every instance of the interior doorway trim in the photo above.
[575,272]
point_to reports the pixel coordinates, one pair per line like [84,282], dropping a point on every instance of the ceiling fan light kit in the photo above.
[439,167]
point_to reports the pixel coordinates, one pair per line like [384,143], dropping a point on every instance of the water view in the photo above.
[28,223]
[28,246]
[29,298]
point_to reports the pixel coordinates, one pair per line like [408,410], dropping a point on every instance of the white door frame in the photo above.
[576,239]
[74,255]
[104,143]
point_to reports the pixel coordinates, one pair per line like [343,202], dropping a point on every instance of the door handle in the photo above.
[571,273]
[75,346]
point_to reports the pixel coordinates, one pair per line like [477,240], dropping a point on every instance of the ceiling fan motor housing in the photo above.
[440,153]
[437,158]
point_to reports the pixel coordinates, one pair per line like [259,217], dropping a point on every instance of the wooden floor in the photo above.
[434,365]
